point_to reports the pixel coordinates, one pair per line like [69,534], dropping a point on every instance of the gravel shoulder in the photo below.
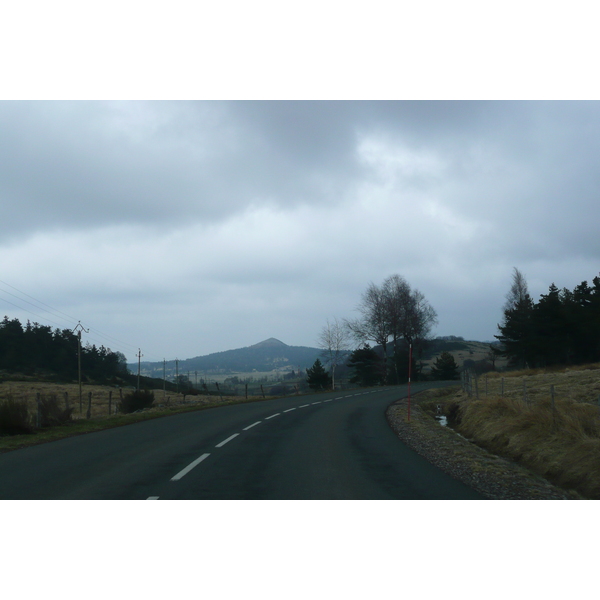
[492,476]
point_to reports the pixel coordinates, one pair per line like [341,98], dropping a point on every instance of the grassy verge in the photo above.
[558,439]
[84,426]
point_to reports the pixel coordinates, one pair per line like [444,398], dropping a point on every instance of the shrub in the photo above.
[137,400]
[14,417]
[50,412]
[279,390]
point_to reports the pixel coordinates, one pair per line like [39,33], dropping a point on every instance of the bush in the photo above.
[50,412]
[14,417]
[137,400]
[279,390]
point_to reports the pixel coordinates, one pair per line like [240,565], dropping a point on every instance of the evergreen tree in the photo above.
[445,367]
[317,377]
[562,328]
[366,366]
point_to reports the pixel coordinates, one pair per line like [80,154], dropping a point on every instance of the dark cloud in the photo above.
[296,205]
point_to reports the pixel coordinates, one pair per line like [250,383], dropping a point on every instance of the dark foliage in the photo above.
[14,417]
[317,377]
[445,368]
[562,328]
[367,367]
[51,414]
[137,400]
[36,348]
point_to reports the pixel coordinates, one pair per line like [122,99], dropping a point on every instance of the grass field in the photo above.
[164,405]
[557,438]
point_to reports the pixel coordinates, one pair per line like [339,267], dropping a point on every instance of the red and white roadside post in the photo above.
[409,375]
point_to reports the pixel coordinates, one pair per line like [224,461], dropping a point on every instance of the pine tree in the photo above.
[317,377]
[367,367]
[445,367]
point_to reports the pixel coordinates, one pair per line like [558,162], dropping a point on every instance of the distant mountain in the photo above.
[267,355]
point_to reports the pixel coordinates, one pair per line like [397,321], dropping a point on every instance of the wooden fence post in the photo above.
[67,400]
[109,402]
[476,387]
[89,409]
[263,391]
[219,390]
[246,391]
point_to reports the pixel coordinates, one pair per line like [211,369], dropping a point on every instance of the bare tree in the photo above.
[334,340]
[374,325]
[518,291]
[420,318]
[392,311]
[398,300]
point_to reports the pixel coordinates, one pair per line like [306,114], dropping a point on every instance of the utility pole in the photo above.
[177,373]
[78,330]
[164,379]
[139,356]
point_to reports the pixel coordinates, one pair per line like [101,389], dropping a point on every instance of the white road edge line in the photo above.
[185,471]
[289,410]
[220,445]
[267,418]
[251,426]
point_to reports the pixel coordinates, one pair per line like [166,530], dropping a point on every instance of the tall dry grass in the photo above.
[561,442]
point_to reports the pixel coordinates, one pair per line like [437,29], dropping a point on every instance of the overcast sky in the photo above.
[185,228]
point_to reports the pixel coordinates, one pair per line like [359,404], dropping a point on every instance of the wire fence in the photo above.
[483,386]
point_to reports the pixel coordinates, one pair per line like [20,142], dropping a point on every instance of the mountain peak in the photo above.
[270,343]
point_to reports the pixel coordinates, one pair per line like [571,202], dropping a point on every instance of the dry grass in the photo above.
[27,391]
[560,442]
[170,404]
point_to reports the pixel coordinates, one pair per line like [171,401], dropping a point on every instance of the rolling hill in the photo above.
[268,355]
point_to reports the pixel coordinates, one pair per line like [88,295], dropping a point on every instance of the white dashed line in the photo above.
[251,426]
[339,398]
[152,498]
[304,406]
[327,400]
[272,416]
[320,401]
[189,467]
[289,410]
[227,440]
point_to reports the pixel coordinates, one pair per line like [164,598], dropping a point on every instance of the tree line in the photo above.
[36,349]
[562,328]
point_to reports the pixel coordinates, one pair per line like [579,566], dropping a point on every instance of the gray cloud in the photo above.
[223,222]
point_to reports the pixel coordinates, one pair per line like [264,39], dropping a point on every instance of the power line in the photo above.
[36,300]
[55,313]
[31,312]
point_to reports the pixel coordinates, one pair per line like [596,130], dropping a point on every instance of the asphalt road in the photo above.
[325,446]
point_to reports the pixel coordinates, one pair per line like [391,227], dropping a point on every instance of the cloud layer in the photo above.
[191,227]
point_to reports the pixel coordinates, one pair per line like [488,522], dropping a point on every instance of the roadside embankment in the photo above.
[493,476]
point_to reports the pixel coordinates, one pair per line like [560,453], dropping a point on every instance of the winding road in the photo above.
[324,446]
